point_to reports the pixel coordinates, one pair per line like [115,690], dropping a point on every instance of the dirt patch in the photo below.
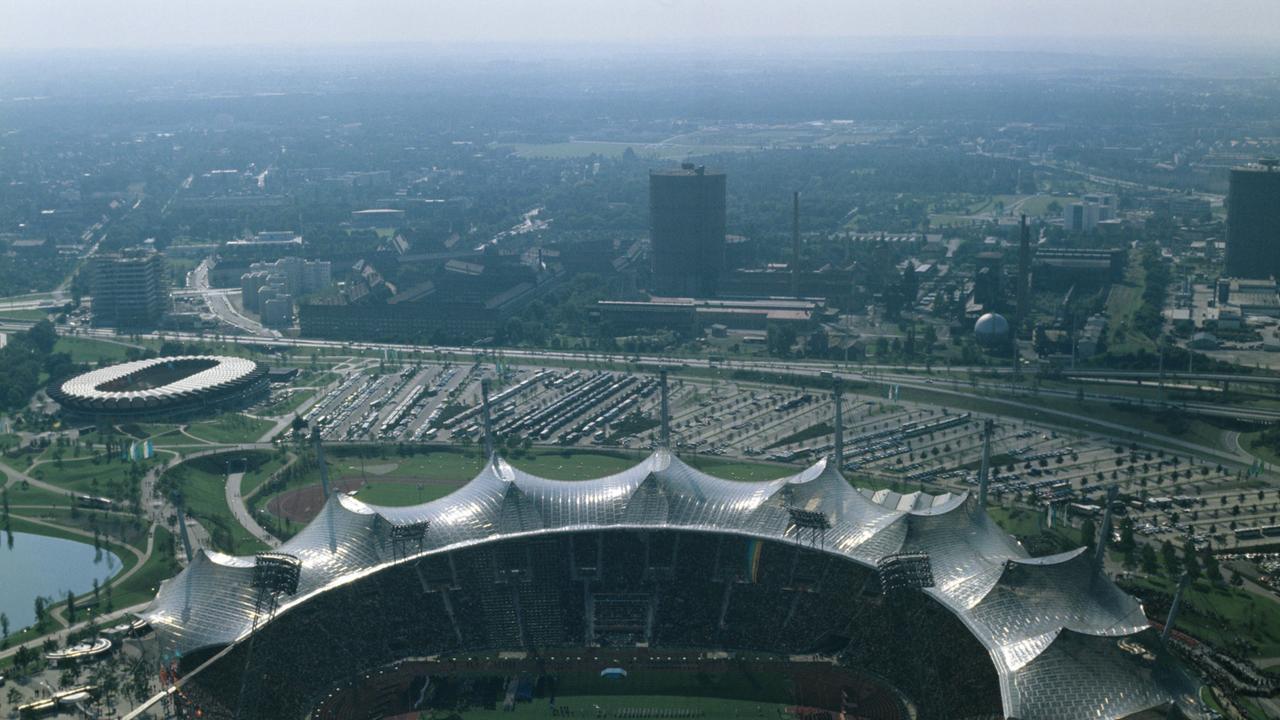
[304,503]
[301,505]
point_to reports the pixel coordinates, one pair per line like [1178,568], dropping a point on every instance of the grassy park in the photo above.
[230,428]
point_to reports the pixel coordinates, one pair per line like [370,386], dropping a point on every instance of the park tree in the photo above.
[1088,531]
[1212,569]
[1150,565]
[1190,562]
[1169,555]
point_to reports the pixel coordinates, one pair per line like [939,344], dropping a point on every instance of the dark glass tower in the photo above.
[1253,222]
[686,229]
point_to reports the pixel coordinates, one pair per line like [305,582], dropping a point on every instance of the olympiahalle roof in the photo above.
[1055,627]
[158,383]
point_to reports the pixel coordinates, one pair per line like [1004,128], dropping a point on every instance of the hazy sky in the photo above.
[187,23]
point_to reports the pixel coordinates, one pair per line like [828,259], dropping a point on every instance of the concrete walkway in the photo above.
[235,501]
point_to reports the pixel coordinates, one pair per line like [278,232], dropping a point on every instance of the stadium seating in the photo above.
[672,589]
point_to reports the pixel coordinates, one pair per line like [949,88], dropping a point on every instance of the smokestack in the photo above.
[488,421]
[984,470]
[837,392]
[324,469]
[665,436]
[1174,610]
[795,244]
[1105,537]
[1024,271]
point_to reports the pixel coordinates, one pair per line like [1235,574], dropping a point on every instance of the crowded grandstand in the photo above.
[927,608]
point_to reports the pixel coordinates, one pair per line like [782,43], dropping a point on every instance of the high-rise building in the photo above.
[1085,215]
[1253,221]
[686,230]
[129,288]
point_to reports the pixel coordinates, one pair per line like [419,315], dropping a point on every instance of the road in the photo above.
[220,304]
[235,501]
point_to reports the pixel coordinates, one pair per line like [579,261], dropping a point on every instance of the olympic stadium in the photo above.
[162,387]
[874,605]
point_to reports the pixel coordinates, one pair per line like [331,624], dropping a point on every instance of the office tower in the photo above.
[129,288]
[686,229]
[1253,221]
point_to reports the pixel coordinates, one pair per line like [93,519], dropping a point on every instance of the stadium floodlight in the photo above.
[402,536]
[905,571]
[276,573]
[811,524]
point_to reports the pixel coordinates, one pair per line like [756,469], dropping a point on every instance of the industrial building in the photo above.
[129,289]
[1253,221]
[688,315]
[1058,268]
[687,230]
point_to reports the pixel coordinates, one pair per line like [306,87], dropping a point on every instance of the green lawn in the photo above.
[24,315]
[109,479]
[258,474]
[203,486]
[391,479]
[1261,450]
[230,428]
[33,495]
[398,493]
[1222,615]
[1123,303]
[87,350]
[142,585]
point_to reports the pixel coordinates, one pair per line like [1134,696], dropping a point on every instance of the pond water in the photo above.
[39,565]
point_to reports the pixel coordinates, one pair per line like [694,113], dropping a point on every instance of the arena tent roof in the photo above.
[1020,608]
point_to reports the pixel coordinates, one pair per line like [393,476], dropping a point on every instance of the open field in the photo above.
[203,486]
[1222,615]
[86,350]
[230,428]
[24,315]
[32,495]
[1123,303]
[143,584]
[110,479]
[386,479]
